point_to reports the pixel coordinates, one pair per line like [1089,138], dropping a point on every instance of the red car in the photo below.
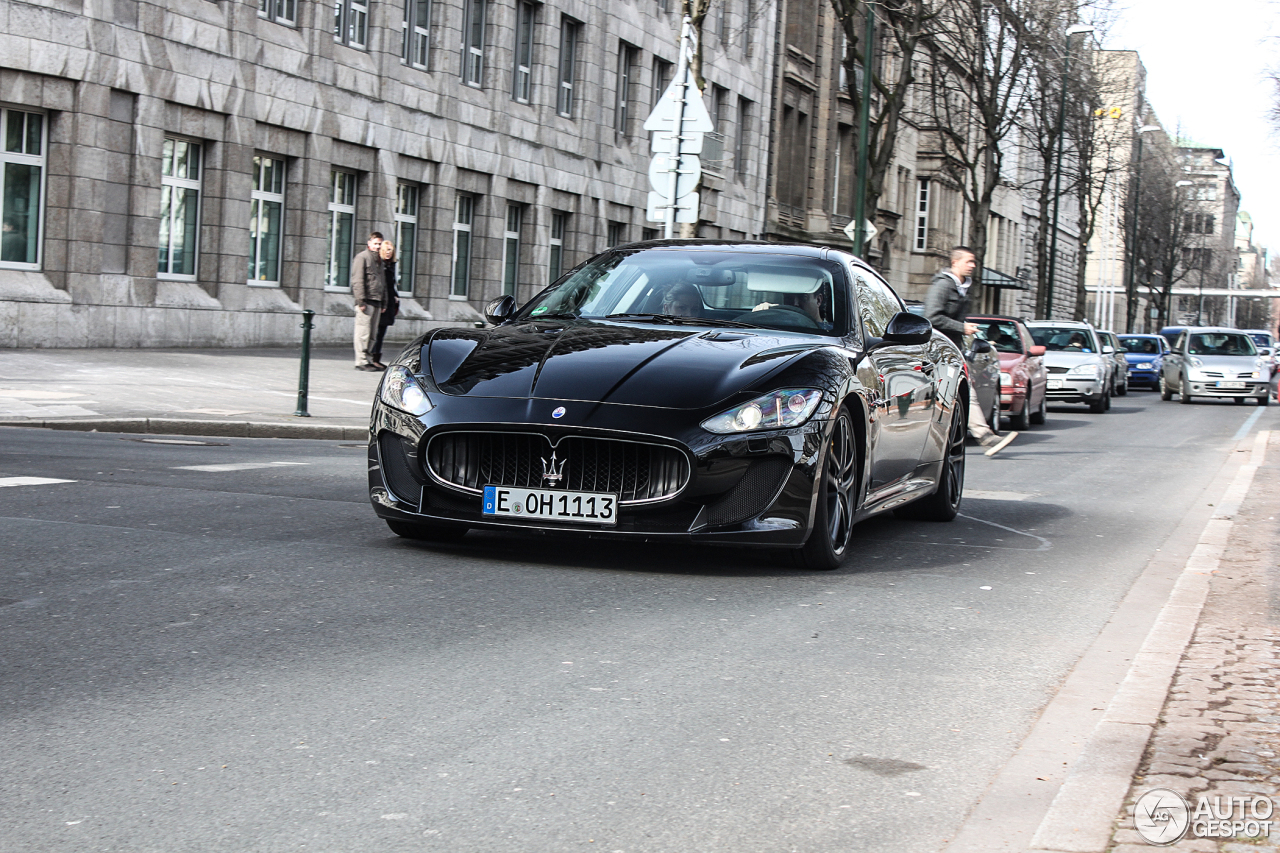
[1022,373]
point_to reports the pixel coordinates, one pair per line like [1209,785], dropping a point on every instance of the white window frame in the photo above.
[351,23]
[408,201]
[522,71]
[24,156]
[259,200]
[566,74]
[559,225]
[170,184]
[415,45]
[473,42]
[922,214]
[511,249]
[464,215]
[280,11]
[342,203]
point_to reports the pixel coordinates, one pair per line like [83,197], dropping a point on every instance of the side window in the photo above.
[876,304]
[1182,339]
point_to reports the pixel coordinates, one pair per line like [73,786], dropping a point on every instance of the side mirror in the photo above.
[1264,351]
[1108,350]
[1038,349]
[980,345]
[500,310]
[908,328]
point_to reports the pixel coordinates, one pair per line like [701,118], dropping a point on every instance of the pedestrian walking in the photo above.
[368,290]
[947,308]
[390,305]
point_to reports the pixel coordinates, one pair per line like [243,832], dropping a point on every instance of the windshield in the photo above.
[1261,339]
[700,287]
[1057,338]
[1002,334]
[1141,346]
[1221,343]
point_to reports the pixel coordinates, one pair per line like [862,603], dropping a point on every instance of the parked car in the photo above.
[1215,362]
[750,394]
[1119,364]
[1170,333]
[1145,354]
[1023,380]
[985,372]
[1078,370]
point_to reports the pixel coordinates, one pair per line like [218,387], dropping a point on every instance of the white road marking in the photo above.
[996,496]
[30,481]
[234,466]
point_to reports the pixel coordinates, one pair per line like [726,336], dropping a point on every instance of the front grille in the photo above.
[753,493]
[637,472]
[1213,374]
[1058,369]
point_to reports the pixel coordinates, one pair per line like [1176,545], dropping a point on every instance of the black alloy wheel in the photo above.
[944,503]
[427,532]
[1022,420]
[828,542]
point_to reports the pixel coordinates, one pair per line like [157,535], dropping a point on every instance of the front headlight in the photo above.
[1084,370]
[401,391]
[1195,362]
[1005,378]
[777,410]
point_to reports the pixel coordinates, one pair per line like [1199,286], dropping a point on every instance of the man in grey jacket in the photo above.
[368,290]
[947,307]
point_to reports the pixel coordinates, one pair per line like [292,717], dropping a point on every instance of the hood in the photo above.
[1141,358]
[669,367]
[1225,363]
[1063,358]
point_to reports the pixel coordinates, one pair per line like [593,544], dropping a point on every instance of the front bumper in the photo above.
[1214,388]
[1144,376]
[1064,389]
[756,489]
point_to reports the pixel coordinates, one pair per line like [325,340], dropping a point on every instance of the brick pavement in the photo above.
[1219,733]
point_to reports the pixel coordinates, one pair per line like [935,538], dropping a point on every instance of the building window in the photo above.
[650,233]
[713,143]
[922,214]
[462,217]
[179,208]
[351,22]
[522,76]
[617,234]
[280,11]
[559,221]
[342,220]
[473,43]
[569,32]
[406,237]
[266,220]
[622,97]
[416,33]
[740,142]
[511,249]
[22,162]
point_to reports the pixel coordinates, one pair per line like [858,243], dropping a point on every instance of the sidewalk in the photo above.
[228,392]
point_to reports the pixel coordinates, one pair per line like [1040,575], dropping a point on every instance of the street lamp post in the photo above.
[1133,217]
[1057,166]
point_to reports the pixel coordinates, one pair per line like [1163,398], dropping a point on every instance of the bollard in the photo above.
[304,371]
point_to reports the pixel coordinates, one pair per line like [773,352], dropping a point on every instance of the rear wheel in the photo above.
[837,499]
[1022,420]
[944,503]
[427,532]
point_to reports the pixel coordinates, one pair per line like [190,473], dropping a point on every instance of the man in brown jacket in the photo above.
[368,290]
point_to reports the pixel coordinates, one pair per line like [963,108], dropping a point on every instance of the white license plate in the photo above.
[553,504]
[1055,384]
[1233,385]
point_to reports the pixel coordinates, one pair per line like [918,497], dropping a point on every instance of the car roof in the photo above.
[1215,330]
[996,317]
[1066,324]
[1137,335]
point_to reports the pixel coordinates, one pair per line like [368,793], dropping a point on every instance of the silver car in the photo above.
[1215,362]
[1080,370]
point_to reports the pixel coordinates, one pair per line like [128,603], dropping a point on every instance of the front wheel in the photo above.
[1042,412]
[828,542]
[1123,390]
[1183,385]
[1264,401]
[1165,393]
[944,503]
[1101,404]
[1022,420]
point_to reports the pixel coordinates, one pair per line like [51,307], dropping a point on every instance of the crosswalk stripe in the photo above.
[30,481]
[234,466]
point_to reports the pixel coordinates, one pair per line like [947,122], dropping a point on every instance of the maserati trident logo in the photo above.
[552,472]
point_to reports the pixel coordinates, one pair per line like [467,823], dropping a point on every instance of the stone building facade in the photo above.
[197,173]
[1209,255]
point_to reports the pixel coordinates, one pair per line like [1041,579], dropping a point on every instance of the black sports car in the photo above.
[735,393]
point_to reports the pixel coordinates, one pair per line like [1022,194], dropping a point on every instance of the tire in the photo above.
[1101,404]
[1124,388]
[1041,414]
[427,532]
[828,542]
[1264,401]
[993,419]
[1239,401]
[1022,420]
[1165,393]
[1108,401]
[1183,396]
[944,503]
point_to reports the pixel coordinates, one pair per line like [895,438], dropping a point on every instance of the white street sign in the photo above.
[662,142]
[686,208]
[868,230]
[696,119]
[688,173]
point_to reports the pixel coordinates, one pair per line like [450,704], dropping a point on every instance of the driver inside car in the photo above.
[682,300]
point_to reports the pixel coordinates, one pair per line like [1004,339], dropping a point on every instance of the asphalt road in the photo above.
[207,659]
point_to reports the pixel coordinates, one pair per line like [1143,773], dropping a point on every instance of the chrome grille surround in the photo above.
[638,472]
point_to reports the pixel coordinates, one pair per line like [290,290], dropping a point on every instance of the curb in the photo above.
[222,429]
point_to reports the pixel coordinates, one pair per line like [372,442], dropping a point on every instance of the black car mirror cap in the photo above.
[980,346]
[907,328]
[500,310]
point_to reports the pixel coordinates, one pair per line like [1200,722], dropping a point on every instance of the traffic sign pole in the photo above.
[682,77]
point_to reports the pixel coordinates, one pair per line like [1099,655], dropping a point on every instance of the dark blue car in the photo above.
[1145,354]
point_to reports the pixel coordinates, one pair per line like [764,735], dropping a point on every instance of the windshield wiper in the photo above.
[563,315]
[675,320]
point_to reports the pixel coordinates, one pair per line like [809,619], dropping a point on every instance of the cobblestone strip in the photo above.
[1219,733]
